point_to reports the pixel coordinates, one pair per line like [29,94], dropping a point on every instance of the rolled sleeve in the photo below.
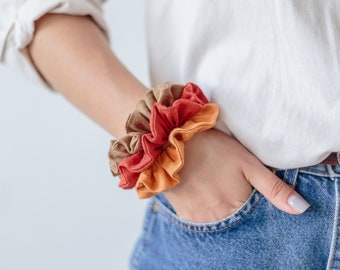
[17,19]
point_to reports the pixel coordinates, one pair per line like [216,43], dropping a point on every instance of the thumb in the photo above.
[279,193]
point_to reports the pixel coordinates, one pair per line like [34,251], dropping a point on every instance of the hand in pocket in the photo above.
[218,177]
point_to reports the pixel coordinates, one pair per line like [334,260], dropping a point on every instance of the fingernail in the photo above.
[298,203]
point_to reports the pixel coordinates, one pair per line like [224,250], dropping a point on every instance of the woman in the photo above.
[267,66]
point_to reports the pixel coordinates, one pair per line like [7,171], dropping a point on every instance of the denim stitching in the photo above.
[321,170]
[135,260]
[295,175]
[244,213]
[290,177]
[316,173]
[255,198]
[332,252]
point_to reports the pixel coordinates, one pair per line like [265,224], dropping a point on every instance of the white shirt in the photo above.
[272,66]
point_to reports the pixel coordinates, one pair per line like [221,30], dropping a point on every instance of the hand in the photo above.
[218,177]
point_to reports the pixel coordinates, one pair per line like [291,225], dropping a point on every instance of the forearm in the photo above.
[74,56]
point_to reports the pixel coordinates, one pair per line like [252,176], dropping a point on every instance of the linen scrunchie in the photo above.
[150,156]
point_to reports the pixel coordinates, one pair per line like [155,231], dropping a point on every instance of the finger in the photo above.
[279,193]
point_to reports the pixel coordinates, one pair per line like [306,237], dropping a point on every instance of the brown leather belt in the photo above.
[332,159]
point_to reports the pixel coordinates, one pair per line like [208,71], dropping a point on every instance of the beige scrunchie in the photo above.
[138,122]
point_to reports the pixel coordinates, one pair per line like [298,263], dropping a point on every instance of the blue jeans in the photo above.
[256,236]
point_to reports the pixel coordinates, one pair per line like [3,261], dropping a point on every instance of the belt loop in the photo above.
[290,176]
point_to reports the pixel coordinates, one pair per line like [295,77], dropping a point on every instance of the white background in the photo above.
[60,208]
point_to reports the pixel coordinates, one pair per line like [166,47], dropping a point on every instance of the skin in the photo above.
[217,177]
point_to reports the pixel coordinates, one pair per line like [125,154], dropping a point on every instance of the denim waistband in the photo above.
[324,170]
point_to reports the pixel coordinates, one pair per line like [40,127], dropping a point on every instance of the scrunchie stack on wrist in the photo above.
[150,156]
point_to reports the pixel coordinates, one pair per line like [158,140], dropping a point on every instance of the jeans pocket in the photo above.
[143,241]
[193,245]
[166,211]
[256,236]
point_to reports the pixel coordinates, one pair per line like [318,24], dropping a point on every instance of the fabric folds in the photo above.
[164,94]
[163,118]
[17,28]
[139,120]
[163,174]
[122,148]
[151,154]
